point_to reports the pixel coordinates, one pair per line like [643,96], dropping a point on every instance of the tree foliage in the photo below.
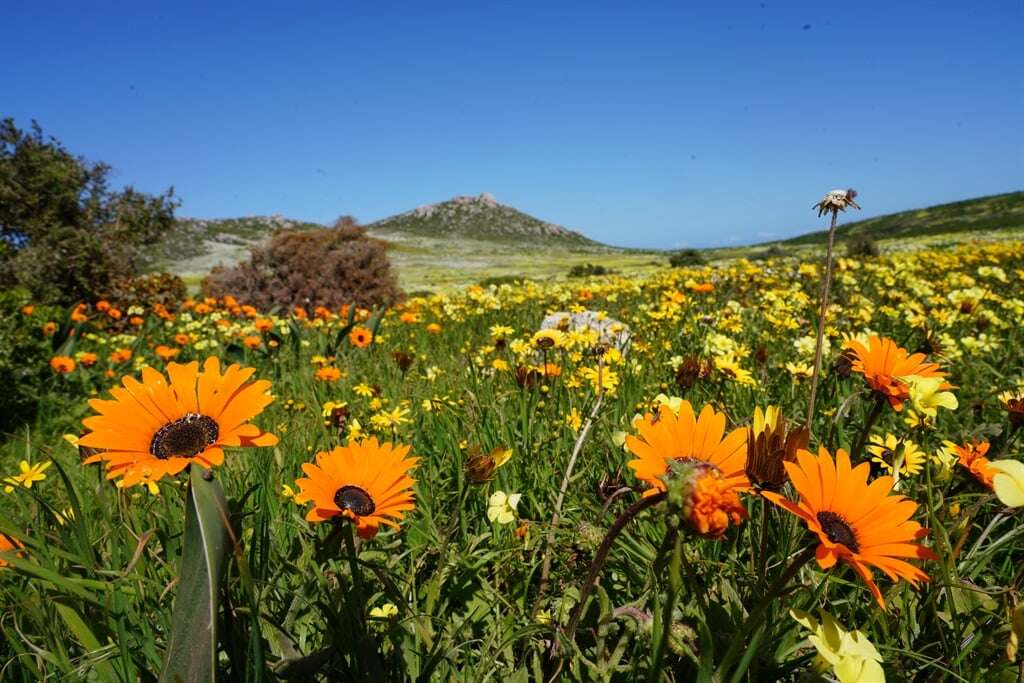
[64,233]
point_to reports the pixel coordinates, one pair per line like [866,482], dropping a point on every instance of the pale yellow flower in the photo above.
[501,507]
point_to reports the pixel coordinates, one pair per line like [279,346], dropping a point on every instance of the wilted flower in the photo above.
[836,201]
[769,444]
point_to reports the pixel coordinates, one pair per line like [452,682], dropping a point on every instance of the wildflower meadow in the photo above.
[608,478]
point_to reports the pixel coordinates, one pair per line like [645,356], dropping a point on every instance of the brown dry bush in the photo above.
[330,267]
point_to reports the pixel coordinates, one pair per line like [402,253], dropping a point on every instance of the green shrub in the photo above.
[862,246]
[24,356]
[146,290]
[588,270]
[774,251]
[686,257]
[330,267]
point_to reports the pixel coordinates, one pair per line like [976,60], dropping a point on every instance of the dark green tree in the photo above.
[64,234]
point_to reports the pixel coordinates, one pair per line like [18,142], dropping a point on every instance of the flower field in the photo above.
[445,490]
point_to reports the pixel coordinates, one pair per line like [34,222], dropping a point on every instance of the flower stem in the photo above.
[601,556]
[826,290]
[545,572]
[869,422]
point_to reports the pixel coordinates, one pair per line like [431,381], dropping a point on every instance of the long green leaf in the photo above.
[192,651]
[88,639]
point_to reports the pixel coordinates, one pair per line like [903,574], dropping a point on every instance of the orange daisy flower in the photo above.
[360,337]
[883,363]
[62,364]
[856,522]
[366,482]
[155,428]
[972,456]
[670,436]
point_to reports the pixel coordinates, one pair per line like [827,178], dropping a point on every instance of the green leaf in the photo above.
[88,640]
[192,651]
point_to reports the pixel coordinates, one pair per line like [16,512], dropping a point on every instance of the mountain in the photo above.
[983,213]
[481,218]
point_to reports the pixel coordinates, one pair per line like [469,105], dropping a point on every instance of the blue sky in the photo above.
[641,124]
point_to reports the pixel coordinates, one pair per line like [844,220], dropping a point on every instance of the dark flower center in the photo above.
[838,531]
[185,437]
[354,499]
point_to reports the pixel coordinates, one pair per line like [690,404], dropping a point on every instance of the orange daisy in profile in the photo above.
[683,437]
[366,482]
[360,337]
[155,428]
[884,363]
[856,522]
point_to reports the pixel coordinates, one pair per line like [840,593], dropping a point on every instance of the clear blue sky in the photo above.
[640,124]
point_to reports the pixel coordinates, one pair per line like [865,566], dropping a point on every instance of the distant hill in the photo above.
[196,245]
[983,213]
[481,218]
[464,233]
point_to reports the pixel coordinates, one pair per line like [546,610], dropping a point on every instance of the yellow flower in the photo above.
[501,331]
[29,474]
[927,396]
[287,492]
[574,420]
[499,364]
[547,339]
[850,655]
[329,407]
[500,456]
[363,389]
[501,507]
[800,370]
[601,378]
[1008,482]
[385,611]
[393,418]
[896,456]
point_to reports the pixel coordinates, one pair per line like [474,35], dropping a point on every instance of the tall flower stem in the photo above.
[826,291]
[869,422]
[545,572]
[601,556]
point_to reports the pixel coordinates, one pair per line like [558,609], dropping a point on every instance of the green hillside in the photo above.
[983,213]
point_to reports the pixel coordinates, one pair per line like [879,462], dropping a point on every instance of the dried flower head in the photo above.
[836,201]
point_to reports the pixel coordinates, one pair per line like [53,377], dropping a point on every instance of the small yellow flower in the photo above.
[574,420]
[287,492]
[501,507]
[363,389]
[385,611]
[28,475]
